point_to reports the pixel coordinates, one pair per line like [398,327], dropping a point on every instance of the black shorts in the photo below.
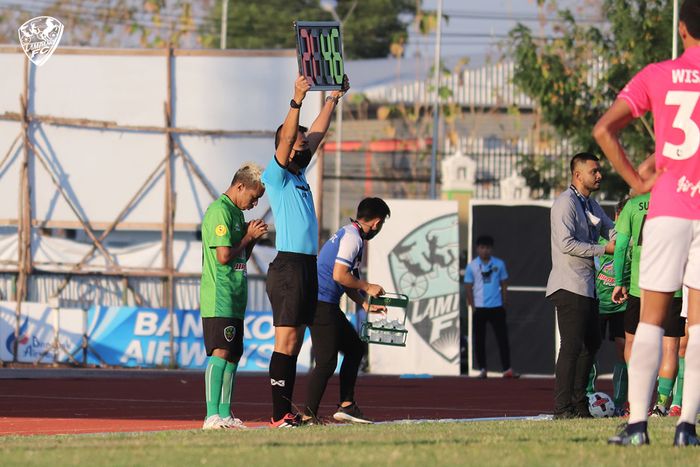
[292,287]
[614,323]
[674,324]
[223,333]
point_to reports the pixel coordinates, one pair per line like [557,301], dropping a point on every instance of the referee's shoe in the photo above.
[290,420]
[351,413]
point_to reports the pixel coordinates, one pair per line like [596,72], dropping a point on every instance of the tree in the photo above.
[369,31]
[112,23]
[574,76]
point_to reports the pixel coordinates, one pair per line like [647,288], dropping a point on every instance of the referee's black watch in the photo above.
[294,105]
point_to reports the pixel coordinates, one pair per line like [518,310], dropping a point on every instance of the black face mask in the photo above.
[301,160]
[365,235]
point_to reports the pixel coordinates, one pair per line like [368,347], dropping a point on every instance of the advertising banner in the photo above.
[140,337]
[130,337]
[417,254]
[36,332]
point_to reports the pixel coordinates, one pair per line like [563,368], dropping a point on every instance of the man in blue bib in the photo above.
[292,284]
[338,274]
[485,283]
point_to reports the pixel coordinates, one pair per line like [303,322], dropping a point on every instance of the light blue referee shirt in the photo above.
[344,247]
[292,206]
[486,281]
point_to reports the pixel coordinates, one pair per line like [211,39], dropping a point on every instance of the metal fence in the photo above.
[407,174]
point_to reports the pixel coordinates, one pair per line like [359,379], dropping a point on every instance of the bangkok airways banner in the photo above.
[140,337]
[37,325]
[129,337]
[417,254]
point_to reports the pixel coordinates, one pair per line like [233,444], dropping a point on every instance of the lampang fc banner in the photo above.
[140,337]
[417,254]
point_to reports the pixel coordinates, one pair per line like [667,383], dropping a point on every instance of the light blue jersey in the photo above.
[292,206]
[344,247]
[486,281]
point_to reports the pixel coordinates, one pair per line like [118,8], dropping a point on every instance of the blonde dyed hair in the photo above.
[250,175]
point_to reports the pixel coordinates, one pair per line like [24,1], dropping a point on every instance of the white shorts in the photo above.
[670,254]
[684,309]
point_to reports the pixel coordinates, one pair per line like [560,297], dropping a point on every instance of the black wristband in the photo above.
[294,105]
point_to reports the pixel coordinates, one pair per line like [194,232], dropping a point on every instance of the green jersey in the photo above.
[605,282]
[223,291]
[630,224]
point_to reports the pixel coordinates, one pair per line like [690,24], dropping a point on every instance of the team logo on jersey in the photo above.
[39,38]
[220,230]
[425,266]
[229,333]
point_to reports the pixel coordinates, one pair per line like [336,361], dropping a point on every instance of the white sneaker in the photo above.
[234,423]
[213,422]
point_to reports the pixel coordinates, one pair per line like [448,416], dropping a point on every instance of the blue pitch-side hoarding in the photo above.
[139,337]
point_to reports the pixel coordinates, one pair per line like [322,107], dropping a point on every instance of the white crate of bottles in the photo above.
[386,327]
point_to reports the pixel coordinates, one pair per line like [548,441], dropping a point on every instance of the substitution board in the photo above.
[320,53]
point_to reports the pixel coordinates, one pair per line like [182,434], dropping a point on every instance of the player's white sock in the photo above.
[643,368]
[691,384]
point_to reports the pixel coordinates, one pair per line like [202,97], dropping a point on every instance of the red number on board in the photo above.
[306,62]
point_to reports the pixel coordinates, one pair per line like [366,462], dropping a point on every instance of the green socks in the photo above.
[590,389]
[678,388]
[664,390]
[213,378]
[227,389]
[620,384]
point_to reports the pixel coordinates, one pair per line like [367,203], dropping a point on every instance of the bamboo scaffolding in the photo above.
[24,228]
[83,222]
[114,126]
[78,266]
[195,170]
[9,152]
[169,210]
[32,152]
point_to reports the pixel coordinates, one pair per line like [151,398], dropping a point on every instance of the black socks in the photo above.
[283,371]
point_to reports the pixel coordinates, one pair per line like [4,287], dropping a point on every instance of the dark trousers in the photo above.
[497,318]
[331,333]
[579,333]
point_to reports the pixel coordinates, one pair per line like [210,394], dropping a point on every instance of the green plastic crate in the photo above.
[378,330]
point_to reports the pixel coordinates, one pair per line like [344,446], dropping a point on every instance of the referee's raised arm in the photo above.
[288,133]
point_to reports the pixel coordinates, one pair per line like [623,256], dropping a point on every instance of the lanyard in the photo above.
[585,204]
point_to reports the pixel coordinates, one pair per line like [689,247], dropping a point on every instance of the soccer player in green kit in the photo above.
[227,243]
[612,318]
[629,231]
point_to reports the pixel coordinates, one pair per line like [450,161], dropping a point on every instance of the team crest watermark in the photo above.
[425,266]
[39,38]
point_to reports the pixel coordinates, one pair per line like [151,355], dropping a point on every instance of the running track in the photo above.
[96,401]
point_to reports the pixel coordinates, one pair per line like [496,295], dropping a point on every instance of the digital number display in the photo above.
[320,53]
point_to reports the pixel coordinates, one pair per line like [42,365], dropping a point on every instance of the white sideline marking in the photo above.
[539,417]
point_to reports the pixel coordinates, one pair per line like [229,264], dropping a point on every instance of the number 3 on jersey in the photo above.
[686,102]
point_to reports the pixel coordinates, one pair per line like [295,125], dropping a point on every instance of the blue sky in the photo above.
[475,27]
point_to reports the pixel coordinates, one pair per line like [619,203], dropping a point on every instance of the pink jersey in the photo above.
[671,91]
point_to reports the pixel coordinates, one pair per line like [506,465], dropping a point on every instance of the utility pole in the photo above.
[436,105]
[224,21]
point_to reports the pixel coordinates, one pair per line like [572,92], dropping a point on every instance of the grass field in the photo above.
[514,443]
